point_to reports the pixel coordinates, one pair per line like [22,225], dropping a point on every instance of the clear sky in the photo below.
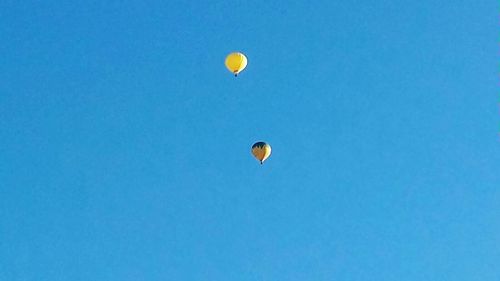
[125,143]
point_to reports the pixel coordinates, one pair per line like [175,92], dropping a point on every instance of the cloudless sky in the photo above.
[125,143]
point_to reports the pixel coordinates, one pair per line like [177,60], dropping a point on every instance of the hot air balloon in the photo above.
[261,151]
[236,62]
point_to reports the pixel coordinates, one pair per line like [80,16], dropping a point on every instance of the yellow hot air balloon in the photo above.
[236,62]
[261,151]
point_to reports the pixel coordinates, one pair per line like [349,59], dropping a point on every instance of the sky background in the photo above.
[125,142]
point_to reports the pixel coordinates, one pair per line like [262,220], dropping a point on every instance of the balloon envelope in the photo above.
[236,62]
[261,151]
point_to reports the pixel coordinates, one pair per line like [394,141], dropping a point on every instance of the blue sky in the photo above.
[125,143]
